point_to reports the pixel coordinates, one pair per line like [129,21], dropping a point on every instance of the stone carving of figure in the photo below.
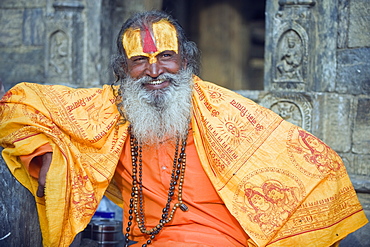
[58,54]
[290,63]
[289,112]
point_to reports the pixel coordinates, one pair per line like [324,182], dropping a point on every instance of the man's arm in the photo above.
[38,164]
[45,165]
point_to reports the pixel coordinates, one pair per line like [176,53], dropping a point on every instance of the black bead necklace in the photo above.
[137,199]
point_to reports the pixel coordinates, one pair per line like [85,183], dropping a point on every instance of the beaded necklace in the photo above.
[137,199]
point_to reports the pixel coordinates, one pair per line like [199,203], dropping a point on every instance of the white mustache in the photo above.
[160,79]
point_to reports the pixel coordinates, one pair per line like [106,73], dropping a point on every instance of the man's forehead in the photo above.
[159,37]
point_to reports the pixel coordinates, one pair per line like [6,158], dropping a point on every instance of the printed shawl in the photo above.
[283,185]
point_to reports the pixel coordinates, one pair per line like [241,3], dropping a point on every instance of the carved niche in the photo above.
[290,56]
[291,46]
[65,42]
[292,107]
[58,55]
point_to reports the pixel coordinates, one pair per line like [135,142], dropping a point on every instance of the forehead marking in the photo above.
[148,41]
[151,41]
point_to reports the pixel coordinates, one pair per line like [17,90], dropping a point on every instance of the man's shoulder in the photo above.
[220,92]
[47,97]
[60,89]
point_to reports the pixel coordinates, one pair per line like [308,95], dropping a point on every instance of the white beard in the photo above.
[157,115]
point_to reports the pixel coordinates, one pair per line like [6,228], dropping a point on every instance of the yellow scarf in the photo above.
[270,174]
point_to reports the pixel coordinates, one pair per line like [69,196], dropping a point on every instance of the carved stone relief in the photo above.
[59,53]
[292,107]
[290,58]
[291,46]
[289,64]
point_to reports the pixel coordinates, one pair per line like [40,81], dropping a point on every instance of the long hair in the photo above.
[189,51]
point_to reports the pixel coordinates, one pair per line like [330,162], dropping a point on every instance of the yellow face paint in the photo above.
[149,43]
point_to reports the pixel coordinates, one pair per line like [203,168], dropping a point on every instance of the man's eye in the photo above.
[165,56]
[138,59]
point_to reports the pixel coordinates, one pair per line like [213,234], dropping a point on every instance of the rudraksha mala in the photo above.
[137,198]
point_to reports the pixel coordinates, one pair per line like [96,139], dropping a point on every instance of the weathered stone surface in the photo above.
[21,64]
[133,6]
[343,22]
[324,46]
[94,57]
[348,162]
[359,170]
[361,183]
[254,95]
[332,120]
[22,3]
[359,28]
[33,27]
[365,202]
[361,128]
[353,75]
[11,27]
[337,122]
[19,221]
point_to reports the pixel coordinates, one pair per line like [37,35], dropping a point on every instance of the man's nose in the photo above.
[154,70]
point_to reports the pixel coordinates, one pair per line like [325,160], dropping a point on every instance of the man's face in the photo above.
[152,52]
[156,94]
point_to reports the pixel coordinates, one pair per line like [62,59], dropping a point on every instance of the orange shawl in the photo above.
[283,185]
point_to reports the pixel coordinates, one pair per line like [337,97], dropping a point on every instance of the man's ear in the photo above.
[184,63]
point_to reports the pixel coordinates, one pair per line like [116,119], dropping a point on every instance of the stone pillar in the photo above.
[301,53]
[64,51]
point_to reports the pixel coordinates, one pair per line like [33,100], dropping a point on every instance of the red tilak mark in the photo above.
[149,45]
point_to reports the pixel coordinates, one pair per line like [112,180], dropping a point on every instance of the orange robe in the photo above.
[269,173]
[207,223]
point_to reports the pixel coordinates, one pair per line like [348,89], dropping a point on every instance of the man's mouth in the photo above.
[156,84]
